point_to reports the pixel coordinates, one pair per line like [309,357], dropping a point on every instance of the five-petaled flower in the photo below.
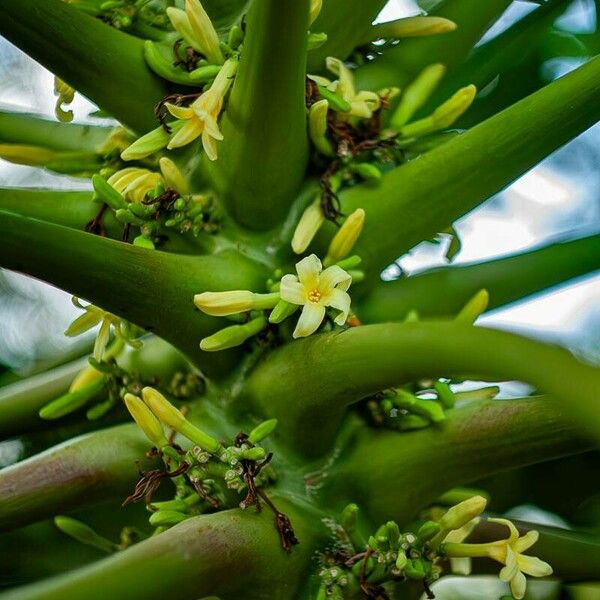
[315,289]
[201,117]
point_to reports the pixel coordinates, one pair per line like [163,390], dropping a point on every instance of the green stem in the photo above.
[152,289]
[263,157]
[445,290]
[309,383]
[104,64]
[423,197]
[345,24]
[85,470]
[232,553]
[401,64]
[34,130]
[395,474]
[21,401]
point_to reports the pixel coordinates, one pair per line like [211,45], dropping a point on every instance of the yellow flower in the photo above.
[510,553]
[134,183]
[202,115]
[315,289]
[363,103]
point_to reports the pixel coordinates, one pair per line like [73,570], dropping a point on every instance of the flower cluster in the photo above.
[368,564]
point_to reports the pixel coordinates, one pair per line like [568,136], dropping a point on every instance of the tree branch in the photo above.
[309,383]
[444,291]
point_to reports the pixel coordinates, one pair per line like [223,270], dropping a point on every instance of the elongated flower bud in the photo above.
[448,113]
[204,32]
[174,419]
[221,304]
[261,431]
[315,9]
[462,513]
[474,308]
[317,127]
[23,154]
[346,237]
[282,311]
[86,376]
[146,420]
[166,517]
[420,26]
[310,222]
[233,336]
[173,176]
[83,533]
[416,94]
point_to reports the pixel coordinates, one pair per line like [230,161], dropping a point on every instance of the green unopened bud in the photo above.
[428,530]
[124,215]
[86,376]
[316,40]
[428,409]
[72,401]
[256,453]
[349,518]
[445,394]
[282,311]
[351,262]
[393,533]
[314,10]
[107,193]
[143,241]
[346,237]
[221,304]
[233,336]
[474,308]
[146,420]
[150,143]
[336,102]
[357,275]
[84,533]
[413,422]
[163,518]
[177,505]
[417,94]
[22,154]
[174,419]
[419,26]
[401,561]
[263,430]
[367,171]
[462,513]
[451,110]
[173,176]
[317,127]
[310,222]
[415,569]
[235,37]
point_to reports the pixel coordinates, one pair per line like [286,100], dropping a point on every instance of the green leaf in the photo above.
[423,197]
[263,156]
[443,291]
[104,64]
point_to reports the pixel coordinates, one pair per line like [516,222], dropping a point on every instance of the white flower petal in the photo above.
[333,277]
[534,566]
[511,568]
[311,317]
[291,290]
[341,301]
[309,269]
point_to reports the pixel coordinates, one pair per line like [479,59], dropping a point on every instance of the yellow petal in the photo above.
[514,533]
[511,568]
[179,112]
[209,143]
[334,277]
[341,301]
[518,585]
[291,290]
[533,566]
[311,317]
[188,133]
[525,542]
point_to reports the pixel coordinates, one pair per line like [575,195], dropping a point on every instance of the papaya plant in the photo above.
[261,415]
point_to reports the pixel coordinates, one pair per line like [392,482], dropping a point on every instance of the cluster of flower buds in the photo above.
[390,555]
[208,469]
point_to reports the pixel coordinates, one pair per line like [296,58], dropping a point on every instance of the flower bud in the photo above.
[146,420]
[22,154]
[150,143]
[174,419]
[349,517]
[263,430]
[428,530]
[86,376]
[346,237]
[310,222]
[417,94]
[420,26]
[282,311]
[445,394]
[462,513]
[314,10]
[474,308]
[233,336]
[203,32]
[107,193]
[83,533]
[317,127]
[448,113]
[173,176]
[221,304]
[166,517]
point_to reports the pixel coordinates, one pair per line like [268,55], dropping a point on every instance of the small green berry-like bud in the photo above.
[166,517]
[233,336]
[146,420]
[349,517]
[415,569]
[261,431]
[143,241]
